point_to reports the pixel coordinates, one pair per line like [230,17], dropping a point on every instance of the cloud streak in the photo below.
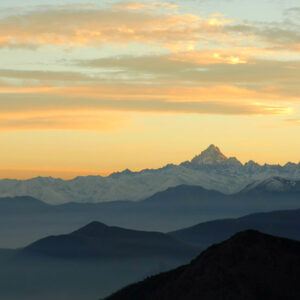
[115,25]
[205,66]
[45,75]
[258,79]
[214,65]
[81,107]
[294,121]
[146,23]
[159,100]
[62,120]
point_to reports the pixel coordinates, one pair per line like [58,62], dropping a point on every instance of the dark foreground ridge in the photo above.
[248,266]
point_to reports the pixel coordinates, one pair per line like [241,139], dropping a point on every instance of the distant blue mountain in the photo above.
[280,223]
[97,240]
[87,263]
[26,219]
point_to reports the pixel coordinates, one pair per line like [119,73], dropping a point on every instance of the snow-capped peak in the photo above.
[212,156]
[210,170]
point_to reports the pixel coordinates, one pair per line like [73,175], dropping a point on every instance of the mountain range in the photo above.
[249,266]
[25,219]
[210,170]
[143,223]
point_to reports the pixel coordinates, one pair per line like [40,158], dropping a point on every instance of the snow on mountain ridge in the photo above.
[274,184]
[211,170]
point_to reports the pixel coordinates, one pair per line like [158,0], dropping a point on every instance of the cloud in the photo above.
[169,84]
[168,64]
[294,121]
[272,79]
[169,96]
[62,120]
[276,36]
[134,5]
[146,23]
[45,75]
[68,26]
[219,101]
[160,24]
[214,65]
[196,67]
[141,92]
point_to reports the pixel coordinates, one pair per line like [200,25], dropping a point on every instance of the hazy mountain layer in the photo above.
[87,263]
[280,223]
[25,219]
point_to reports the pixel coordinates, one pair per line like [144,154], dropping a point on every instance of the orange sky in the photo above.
[93,88]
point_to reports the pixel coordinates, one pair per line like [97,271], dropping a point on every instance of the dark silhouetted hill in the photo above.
[70,266]
[97,240]
[248,266]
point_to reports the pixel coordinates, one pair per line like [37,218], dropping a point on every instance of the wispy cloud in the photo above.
[59,76]
[62,120]
[223,100]
[90,27]
[293,121]
[264,78]
[143,22]
[135,5]
[214,65]
[122,23]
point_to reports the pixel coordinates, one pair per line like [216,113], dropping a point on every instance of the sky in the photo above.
[93,87]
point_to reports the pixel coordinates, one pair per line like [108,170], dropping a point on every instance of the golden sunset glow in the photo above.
[92,88]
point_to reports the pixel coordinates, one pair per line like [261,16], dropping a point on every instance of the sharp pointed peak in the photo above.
[211,155]
[213,147]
